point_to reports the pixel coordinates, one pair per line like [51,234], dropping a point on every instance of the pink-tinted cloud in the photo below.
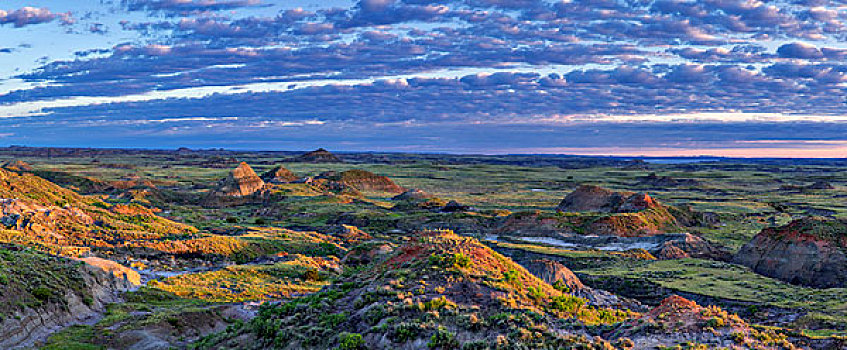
[31,15]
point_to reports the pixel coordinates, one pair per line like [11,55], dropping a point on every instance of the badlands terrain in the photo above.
[216,249]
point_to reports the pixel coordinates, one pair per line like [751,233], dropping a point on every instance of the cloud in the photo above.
[810,52]
[799,50]
[184,7]
[452,62]
[30,15]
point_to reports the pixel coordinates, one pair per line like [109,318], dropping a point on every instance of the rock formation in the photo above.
[319,155]
[690,246]
[589,198]
[808,251]
[554,273]
[279,174]
[417,200]
[359,180]
[241,181]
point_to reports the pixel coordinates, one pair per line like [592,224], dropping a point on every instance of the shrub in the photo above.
[42,293]
[536,294]
[312,275]
[351,341]
[511,277]
[405,331]
[374,314]
[333,320]
[443,339]
[561,286]
[461,260]
[437,304]
[715,322]
[457,260]
[232,220]
[567,303]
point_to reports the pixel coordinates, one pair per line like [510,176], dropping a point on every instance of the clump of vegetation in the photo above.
[350,341]
[443,339]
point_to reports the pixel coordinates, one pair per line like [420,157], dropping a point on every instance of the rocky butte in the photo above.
[590,198]
[279,174]
[808,251]
[319,155]
[241,181]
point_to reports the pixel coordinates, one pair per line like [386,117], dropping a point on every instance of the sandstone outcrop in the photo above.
[690,246]
[589,198]
[279,174]
[808,251]
[554,273]
[241,182]
[359,180]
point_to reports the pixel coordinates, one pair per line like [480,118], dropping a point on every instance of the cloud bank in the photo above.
[430,65]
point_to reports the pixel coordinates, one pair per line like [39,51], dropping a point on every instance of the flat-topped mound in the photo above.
[279,174]
[808,251]
[241,181]
[319,155]
[590,198]
[362,180]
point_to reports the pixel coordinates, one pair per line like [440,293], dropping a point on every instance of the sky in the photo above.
[595,77]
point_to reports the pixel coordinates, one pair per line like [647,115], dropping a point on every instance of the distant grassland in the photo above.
[740,190]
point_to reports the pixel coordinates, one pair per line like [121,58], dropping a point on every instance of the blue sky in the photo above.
[627,77]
